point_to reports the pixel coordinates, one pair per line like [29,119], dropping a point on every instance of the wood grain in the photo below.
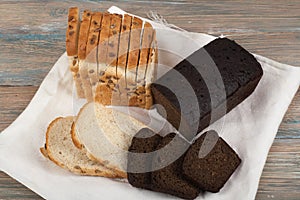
[31,42]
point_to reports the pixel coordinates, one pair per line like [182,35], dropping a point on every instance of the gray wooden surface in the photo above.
[32,39]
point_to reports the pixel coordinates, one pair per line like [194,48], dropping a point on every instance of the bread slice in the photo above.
[169,179]
[139,163]
[72,46]
[82,45]
[141,95]
[92,48]
[60,149]
[105,134]
[123,57]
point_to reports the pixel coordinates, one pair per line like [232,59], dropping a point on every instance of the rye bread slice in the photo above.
[169,179]
[139,168]
[210,162]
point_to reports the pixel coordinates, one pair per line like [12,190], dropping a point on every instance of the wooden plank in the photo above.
[13,100]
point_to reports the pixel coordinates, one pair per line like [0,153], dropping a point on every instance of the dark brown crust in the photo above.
[83,34]
[72,31]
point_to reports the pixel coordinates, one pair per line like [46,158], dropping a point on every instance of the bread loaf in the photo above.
[116,59]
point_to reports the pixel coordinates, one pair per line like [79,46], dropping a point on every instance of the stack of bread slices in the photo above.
[112,57]
[113,61]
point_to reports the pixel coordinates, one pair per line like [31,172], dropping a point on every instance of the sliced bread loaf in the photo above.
[60,149]
[105,134]
[113,58]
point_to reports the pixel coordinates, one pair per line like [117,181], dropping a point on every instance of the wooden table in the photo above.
[32,39]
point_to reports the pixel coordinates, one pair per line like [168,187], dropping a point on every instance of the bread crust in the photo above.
[72,31]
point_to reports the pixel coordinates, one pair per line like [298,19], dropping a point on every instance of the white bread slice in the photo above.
[60,149]
[72,46]
[106,135]
[82,45]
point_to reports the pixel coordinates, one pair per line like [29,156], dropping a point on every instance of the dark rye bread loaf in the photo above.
[211,167]
[145,141]
[190,97]
[168,179]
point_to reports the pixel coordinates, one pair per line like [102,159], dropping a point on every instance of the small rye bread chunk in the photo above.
[105,134]
[210,171]
[169,178]
[60,149]
[82,47]
[145,141]
[189,104]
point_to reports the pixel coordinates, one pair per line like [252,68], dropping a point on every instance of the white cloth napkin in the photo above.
[250,129]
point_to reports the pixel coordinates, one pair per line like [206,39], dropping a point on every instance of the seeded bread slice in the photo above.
[107,86]
[72,31]
[92,45]
[82,45]
[72,46]
[60,149]
[122,58]
[135,45]
[106,134]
